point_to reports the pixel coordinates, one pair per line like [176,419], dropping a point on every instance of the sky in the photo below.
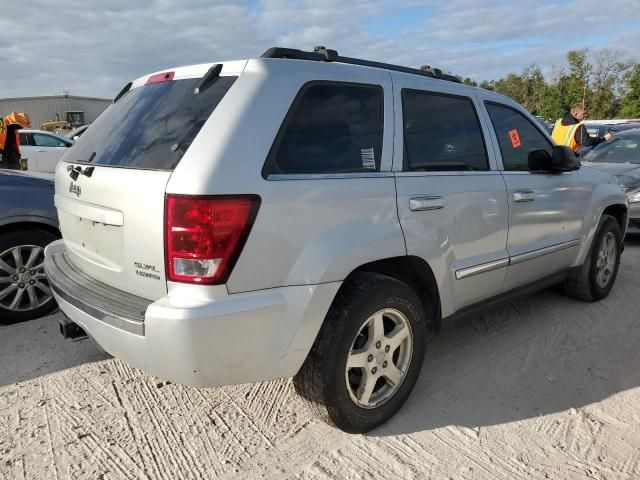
[94,48]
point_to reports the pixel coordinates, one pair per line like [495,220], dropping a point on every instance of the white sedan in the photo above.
[43,150]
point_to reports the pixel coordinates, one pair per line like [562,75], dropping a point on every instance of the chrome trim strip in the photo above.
[524,257]
[126,324]
[327,176]
[482,268]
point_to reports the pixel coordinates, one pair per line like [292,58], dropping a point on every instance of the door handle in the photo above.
[428,202]
[524,196]
[41,151]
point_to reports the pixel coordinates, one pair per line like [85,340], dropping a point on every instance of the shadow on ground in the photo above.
[35,348]
[538,355]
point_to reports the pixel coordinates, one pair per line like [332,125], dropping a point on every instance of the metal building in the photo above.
[76,110]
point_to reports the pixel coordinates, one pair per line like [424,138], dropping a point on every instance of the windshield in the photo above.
[150,127]
[619,150]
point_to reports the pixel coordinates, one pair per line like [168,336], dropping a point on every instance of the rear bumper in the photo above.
[238,338]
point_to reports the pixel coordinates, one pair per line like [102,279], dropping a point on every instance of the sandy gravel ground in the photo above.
[545,387]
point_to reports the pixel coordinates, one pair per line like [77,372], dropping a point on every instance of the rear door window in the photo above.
[441,133]
[42,140]
[517,137]
[150,127]
[331,128]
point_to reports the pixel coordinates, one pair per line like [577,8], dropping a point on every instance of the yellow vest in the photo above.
[565,135]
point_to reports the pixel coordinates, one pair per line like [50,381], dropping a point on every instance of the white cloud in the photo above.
[93,48]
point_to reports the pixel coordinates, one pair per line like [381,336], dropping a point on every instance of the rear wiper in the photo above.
[209,78]
[126,88]
[74,172]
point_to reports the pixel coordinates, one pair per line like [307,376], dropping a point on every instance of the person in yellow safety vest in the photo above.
[9,140]
[570,130]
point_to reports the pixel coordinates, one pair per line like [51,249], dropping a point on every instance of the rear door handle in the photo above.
[41,151]
[524,196]
[427,202]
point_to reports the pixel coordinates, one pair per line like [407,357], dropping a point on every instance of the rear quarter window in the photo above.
[330,128]
[151,127]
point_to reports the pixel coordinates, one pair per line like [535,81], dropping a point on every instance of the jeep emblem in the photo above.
[75,189]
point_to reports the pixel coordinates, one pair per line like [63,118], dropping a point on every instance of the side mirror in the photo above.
[539,161]
[561,160]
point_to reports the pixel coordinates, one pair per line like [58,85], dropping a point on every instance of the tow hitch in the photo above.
[70,330]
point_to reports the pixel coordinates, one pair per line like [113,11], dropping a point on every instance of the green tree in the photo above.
[552,105]
[513,85]
[535,87]
[630,107]
[469,81]
[575,86]
[488,85]
[607,78]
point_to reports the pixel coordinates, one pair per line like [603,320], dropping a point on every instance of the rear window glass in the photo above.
[151,127]
[331,128]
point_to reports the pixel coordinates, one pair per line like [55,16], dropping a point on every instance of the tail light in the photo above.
[205,235]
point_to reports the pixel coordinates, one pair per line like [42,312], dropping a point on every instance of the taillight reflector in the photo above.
[161,77]
[205,235]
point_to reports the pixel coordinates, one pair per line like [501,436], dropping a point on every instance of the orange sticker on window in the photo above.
[515,138]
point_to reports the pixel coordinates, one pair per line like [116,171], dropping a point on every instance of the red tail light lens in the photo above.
[205,235]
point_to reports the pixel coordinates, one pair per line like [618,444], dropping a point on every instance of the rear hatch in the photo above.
[110,187]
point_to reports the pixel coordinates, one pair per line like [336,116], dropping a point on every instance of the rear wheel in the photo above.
[597,275]
[24,289]
[368,355]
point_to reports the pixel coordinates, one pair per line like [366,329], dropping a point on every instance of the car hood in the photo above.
[626,174]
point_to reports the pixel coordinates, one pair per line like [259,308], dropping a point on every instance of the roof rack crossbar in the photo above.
[322,54]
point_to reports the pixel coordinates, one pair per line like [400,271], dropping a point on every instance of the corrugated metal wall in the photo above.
[43,109]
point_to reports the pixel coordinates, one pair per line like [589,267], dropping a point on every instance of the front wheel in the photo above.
[594,280]
[368,355]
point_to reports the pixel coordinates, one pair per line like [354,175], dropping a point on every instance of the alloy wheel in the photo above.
[379,358]
[23,282]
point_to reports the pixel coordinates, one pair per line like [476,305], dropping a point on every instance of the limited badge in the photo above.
[515,138]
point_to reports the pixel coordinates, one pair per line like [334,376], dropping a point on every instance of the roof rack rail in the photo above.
[322,54]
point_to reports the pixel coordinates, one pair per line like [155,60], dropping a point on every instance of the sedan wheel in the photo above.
[24,290]
[23,283]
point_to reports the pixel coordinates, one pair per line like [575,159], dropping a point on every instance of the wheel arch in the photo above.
[620,213]
[415,272]
[29,225]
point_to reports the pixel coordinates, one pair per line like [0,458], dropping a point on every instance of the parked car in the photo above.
[313,216]
[76,133]
[600,129]
[28,223]
[43,150]
[543,123]
[621,157]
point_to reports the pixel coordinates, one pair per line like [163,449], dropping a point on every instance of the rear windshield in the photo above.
[151,127]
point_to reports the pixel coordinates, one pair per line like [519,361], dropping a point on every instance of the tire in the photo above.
[35,300]
[338,395]
[588,283]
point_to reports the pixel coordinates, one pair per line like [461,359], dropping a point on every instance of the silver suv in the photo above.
[313,216]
